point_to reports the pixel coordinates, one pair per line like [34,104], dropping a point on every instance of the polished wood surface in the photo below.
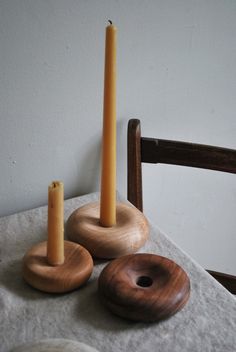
[188,154]
[127,236]
[228,281]
[73,273]
[144,287]
[152,150]
[134,166]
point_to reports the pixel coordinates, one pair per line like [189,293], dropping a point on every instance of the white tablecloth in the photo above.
[207,322]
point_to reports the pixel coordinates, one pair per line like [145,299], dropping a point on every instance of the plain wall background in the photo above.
[176,72]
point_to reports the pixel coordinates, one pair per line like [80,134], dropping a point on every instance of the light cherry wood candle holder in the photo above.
[128,234]
[56,265]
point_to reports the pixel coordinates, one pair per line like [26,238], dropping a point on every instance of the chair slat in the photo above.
[151,150]
[188,154]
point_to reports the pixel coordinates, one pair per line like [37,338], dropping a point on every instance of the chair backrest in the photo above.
[152,150]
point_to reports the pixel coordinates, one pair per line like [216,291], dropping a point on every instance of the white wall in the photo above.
[177,73]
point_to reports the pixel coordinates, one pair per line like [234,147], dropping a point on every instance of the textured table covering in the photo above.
[207,322]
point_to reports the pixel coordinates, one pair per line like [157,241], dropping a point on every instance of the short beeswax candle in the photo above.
[55,243]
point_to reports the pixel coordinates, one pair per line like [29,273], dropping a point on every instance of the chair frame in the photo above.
[152,150]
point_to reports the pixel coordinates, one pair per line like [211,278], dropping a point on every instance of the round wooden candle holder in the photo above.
[73,273]
[144,287]
[127,236]
[55,345]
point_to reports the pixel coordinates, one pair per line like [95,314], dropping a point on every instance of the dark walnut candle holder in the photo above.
[144,287]
[127,236]
[73,273]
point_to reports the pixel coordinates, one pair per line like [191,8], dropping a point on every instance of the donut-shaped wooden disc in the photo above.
[127,236]
[144,287]
[74,272]
[54,345]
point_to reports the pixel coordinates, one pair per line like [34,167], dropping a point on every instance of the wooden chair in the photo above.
[151,150]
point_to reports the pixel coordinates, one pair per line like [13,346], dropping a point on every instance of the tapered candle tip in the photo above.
[110,22]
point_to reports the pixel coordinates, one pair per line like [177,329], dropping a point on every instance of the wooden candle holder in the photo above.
[54,345]
[127,236]
[144,287]
[73,273]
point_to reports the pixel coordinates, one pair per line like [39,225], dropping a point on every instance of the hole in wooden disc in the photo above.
[144,281]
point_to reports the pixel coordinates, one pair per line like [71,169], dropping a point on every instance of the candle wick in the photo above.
[110,22]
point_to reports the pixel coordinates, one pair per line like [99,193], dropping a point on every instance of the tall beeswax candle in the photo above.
[55,243]
[108,177]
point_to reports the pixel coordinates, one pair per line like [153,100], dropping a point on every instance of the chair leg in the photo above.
[228,281]
[134,164]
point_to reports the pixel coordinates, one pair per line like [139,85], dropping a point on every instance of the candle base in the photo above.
[73,273]
[127,236]
[144,287]
[58,345]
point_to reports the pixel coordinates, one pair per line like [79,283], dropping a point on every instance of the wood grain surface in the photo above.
[73,273]
[127,236]
[144,287]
